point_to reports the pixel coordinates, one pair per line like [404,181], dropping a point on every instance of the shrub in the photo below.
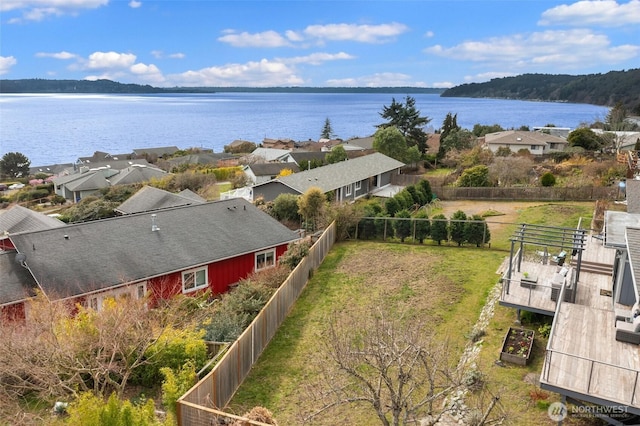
[295,253]
[285,208]
[547,179]
[172,350]
[90,410]
[176,383]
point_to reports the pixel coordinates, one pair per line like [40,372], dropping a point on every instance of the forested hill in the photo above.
[596,89]
[36,85]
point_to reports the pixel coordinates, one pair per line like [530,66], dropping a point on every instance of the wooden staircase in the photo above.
[594,267]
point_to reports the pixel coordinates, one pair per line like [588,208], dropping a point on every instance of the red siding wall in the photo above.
[221,274]
[12,313]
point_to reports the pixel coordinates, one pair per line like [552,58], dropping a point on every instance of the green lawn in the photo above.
[444,285]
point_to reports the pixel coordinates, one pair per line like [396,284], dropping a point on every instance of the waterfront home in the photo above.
[537,143]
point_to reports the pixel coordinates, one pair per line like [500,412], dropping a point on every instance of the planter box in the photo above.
[517,345]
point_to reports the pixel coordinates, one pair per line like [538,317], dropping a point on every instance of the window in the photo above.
[194,279]
[347,190]
[141,291]
[93,303]
[358,185]
[265,259]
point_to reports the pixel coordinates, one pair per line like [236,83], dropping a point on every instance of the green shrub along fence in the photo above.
[203,403]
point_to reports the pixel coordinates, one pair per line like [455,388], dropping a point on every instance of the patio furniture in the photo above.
[559,258]
[529,281]
[556,283]
[628,332]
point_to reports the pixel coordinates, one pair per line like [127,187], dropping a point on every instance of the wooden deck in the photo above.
[583,358]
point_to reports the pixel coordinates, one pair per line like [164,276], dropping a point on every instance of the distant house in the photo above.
[203,158]
[86,181]
[286,144]
[537,143]
[348,180]
[264,172]
[157,152]
[101,157]
[21,219]
[266,155]
[363,143]
[624,141]
[51,170]
[180,250]
[149,199]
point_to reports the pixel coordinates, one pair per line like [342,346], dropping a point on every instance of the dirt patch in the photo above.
[505,211]
[396,279]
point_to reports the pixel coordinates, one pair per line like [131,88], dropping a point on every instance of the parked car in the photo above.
[3,187]
[16,186]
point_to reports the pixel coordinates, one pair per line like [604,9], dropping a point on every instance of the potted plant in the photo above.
[517,345]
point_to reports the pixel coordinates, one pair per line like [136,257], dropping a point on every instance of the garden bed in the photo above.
[517,346]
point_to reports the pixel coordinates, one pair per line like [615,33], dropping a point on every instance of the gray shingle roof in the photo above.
[136,174]
[21,219]
[337,175]
[272,169]
[17,283]
[93,256]
[518,137]
[150,198]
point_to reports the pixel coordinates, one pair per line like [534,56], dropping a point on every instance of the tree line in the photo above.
[597,89]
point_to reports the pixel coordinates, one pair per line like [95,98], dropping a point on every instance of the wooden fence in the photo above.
[534,193]
[201,405]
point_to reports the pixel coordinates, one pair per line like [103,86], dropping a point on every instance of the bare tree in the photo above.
[395,366]
[62,350]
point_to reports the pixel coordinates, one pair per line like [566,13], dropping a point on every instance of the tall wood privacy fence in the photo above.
[541,193]
[201,404]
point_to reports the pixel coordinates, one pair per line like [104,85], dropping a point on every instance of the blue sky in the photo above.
[336,43]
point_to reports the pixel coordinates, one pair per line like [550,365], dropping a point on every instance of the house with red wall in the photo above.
[181,250]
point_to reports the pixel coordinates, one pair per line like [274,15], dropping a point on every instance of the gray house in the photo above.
[348,180]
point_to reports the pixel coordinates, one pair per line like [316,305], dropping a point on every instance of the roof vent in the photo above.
[21,258]
[518,139]
[154,226]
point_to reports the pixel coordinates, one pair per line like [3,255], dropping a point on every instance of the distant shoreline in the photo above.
[41,86]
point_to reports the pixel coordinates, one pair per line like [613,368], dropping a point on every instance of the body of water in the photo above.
[52,129]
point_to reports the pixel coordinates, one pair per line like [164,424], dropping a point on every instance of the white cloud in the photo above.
[135,4]
[387,79]
[442,84]
[263,39]
[360,33]
[59,55]
[429,34]
[110,60]
[37,10]
[6,62]
[263,73]
[606,13]
[547,51]
[159,54]
[317,58]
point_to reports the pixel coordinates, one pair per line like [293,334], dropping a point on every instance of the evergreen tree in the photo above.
[439,229]
[457,227]
[406,118]
[422,225]
[402,226]
[450,123]
[327,130]
[14,165]
[477,232]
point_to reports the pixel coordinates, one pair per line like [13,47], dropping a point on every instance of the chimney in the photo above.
[154,227]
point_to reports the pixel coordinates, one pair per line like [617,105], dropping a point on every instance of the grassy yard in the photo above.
[446,286]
